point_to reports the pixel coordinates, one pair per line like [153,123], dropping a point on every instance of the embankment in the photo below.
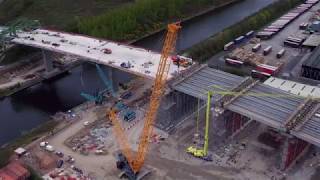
[206,49]
[143,17]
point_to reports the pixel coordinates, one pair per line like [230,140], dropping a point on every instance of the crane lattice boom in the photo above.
[157,92]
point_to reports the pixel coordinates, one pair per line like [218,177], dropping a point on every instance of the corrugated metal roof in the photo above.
[293,87]
[312,41]
[314,59]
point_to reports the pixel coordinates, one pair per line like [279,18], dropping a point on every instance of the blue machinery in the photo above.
[99,97]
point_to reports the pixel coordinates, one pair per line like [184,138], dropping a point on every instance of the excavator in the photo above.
[202,152]
[128,162]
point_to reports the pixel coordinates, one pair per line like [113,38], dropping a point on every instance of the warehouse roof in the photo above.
[293,87]
[312,41]
[314,60]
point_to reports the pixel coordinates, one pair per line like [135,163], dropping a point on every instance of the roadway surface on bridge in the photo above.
[271,111]
[143,62]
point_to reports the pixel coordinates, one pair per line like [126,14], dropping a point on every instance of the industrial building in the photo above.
[14,171]
[311,67]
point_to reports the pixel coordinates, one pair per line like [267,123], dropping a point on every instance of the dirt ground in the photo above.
[167,159]
[243,157]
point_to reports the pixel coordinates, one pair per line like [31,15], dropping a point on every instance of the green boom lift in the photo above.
[202,153]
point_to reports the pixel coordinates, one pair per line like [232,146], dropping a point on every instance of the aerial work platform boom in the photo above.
[202,152]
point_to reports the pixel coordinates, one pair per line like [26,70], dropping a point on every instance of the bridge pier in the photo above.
[293,150]
[111,78]
[234,123]
[47,57]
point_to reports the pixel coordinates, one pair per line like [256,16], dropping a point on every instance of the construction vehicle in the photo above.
[98,97]
[202,152]
[128,162]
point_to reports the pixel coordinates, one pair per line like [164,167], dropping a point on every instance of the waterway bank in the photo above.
[200,28]
[64,70]
[33,106]
[186,19]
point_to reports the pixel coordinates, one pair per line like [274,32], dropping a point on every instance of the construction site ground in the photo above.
[243,157]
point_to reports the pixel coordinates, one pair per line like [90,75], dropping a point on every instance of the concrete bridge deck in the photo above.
[143,62]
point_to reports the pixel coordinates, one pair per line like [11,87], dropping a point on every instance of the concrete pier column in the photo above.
[293,149]
[235,122]
[47,60]
[111,77]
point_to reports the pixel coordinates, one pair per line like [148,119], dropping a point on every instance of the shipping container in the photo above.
[293,39]
[271,30]
[239,39]
[303,26]
[274,27]
[233,62]
[291,44]
[267,69]
[256,48]
[267,50]
[264,35]
[260,75]
[281,53]
[228,46]
[249,34]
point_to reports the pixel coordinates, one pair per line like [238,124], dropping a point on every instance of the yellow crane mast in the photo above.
[129,163]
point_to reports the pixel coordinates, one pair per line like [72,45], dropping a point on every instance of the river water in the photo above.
[29,108]
[201,28]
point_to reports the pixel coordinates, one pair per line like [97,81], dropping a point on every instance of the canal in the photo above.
[29,108]
[201,28]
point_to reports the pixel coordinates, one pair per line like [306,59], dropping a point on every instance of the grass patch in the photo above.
[56,13]
[207,48]
[34,134]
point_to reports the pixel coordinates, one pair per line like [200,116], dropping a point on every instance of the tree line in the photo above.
[139,18]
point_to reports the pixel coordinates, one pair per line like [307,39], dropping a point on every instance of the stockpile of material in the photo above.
[246,56]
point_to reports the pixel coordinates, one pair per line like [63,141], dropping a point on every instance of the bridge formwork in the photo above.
[285,116]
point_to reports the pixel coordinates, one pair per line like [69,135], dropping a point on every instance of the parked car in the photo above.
[107,51]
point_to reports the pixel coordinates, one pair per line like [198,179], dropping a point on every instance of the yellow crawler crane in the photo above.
[128,162]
